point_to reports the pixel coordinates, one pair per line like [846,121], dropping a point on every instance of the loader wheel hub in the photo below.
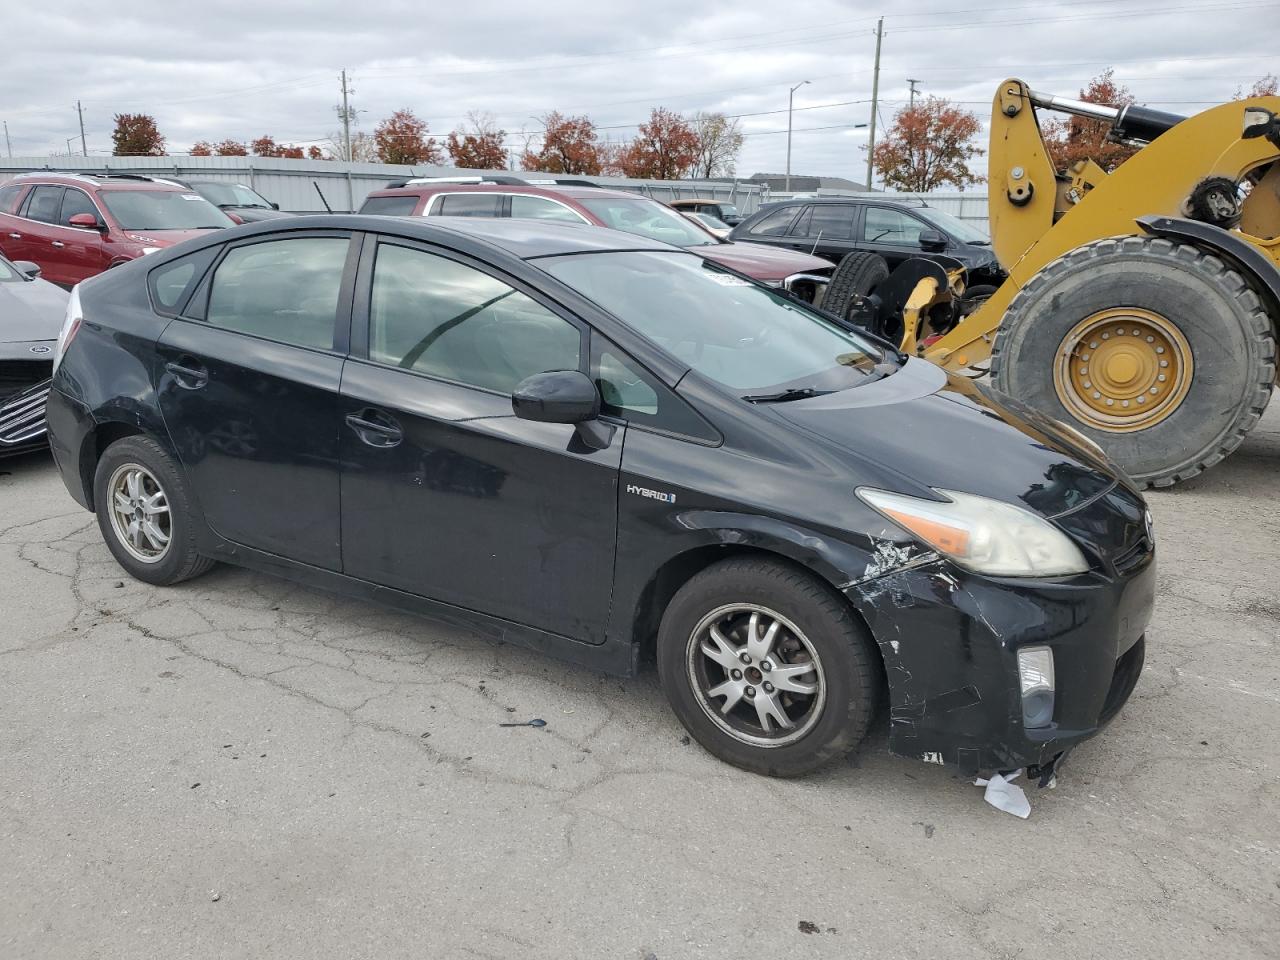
[1123,369]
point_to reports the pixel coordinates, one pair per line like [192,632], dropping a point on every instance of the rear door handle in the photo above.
[15,236]
[190,374]
[375,428]
[59,243]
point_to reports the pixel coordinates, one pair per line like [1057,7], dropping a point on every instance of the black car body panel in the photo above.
[832,227]
[523,532]
[31,313]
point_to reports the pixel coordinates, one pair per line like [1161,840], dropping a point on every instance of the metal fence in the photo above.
[299,185]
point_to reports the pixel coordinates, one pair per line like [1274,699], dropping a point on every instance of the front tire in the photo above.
[767,667]
[1156,350]
[145,512]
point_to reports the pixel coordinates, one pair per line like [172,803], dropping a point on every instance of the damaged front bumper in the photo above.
[950,644]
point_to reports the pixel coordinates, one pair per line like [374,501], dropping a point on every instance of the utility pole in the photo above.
[84,147]
[791,96]
[913,91]
[875,104]
[8,148]
[346,121]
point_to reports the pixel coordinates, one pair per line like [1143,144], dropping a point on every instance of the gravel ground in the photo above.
[240,767]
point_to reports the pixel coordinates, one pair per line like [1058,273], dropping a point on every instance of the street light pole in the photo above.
[791,96]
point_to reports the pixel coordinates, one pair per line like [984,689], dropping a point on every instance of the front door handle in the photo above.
[59,244]
[375,428]
[15,236]
[190,374]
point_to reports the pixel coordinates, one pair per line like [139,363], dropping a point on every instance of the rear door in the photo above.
[32,237]
[249,391]
[11,197]
[445,492]
[827,230]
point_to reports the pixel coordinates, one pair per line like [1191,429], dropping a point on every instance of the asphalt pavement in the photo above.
[241,767]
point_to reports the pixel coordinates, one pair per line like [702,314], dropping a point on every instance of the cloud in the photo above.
[230,69]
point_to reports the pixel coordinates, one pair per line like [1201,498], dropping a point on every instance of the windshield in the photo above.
[742,335]
[648,218]
[960,229]
[163,210]
[728,210]
[230,195]
[8,273]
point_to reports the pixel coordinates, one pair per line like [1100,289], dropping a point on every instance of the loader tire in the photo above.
[856,276]
[1156,350]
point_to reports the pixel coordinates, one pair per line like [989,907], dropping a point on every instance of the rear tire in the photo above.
[857,275]
[821,657]
[1187,353]
[145,512]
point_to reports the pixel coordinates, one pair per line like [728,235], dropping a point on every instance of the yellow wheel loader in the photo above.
[1142,306]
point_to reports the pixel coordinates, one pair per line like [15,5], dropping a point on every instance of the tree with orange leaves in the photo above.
[403,138]
[928,145]
[1074,139]
[569,145]
[480,147]
[667,148]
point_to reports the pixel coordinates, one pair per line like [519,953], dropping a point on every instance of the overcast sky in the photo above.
[219,68]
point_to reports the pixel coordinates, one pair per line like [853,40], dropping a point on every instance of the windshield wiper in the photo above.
[782,396]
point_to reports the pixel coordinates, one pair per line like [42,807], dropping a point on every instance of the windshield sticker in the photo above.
[729,280]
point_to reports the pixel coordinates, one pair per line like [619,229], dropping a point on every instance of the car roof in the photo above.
[116,181]
[523,239]
[537,190]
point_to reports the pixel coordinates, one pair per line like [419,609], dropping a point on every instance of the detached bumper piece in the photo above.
[22,424]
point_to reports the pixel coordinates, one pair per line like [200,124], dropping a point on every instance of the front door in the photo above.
[445,493]
[78,254]
[894,234]
[249,391]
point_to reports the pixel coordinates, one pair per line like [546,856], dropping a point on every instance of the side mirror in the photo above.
[933,241]
[84,221]
[275,206]
[28,269]
[559,396]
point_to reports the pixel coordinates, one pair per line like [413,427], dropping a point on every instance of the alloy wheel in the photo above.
[139,513]
[756,675]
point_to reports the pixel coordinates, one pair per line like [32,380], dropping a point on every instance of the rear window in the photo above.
[468,205]
[390,206]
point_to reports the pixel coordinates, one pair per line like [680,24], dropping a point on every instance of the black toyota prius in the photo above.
[611,450]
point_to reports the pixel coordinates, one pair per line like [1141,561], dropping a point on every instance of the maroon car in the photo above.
[804,275]
[74,225]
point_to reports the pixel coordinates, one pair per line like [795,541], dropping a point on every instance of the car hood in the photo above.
[256,214]
[762,262]
[167,238]
[30,311]
[922,428]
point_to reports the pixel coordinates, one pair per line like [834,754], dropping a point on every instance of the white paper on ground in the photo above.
[1003,794]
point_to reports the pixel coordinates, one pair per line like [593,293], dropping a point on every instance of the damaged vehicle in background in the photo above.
[31,312]
[608,449]
[236,200]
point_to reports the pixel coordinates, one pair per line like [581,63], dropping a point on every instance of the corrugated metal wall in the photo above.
[294,183]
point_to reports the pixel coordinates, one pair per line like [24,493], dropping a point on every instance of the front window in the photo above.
[648,218]
[960,229]
[231,195]
[738,333]
[882,225]
[163,210]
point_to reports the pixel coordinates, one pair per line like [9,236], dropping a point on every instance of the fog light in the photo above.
[1035,675]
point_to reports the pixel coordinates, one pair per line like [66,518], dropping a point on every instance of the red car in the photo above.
[804,275]
[74,225]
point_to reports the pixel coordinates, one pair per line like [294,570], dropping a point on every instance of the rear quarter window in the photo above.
[171,284]
[390,206]
[9,197]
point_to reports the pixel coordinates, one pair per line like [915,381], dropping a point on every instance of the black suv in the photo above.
[894,229]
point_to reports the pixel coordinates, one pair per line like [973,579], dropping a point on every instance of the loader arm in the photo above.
[1037,217]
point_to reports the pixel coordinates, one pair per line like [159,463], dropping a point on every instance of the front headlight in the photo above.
[70,326]
[982,535]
